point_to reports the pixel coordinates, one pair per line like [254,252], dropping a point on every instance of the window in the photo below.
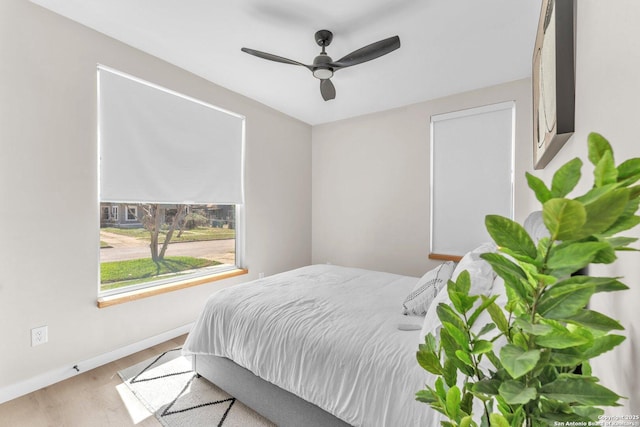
[132,213]
[188,241]
[174,166]
[472,167]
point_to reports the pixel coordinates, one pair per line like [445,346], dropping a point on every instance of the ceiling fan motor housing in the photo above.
[321,69]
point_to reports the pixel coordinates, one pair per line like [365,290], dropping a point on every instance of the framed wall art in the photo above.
[553,80]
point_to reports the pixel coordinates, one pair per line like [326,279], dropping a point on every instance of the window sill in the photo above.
[443,257]
[123,297]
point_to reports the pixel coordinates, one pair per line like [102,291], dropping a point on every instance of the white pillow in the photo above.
[423,293]
[431,321]
[482,279]
[481,273]
[534,225]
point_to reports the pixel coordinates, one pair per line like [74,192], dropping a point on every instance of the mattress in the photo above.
[328,334]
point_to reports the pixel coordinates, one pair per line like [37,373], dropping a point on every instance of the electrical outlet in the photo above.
[260,275]
[39,335]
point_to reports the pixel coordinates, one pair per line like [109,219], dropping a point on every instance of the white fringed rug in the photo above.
[168,387]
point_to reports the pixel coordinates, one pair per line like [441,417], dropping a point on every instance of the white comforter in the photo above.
[327,334]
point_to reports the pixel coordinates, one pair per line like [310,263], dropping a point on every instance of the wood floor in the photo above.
[92,399]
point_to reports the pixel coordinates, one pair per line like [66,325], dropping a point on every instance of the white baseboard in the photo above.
[13,391]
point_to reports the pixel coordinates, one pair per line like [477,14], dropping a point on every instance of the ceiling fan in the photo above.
[323,66]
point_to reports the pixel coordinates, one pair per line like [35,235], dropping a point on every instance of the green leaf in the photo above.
[464,358]
[622,224]
[621,242]
[462,283]
[457,334]
[446,314]
[481,347]
[518,417]
[595,193]
[450,373]
[601,345]
[426,396]
[453,402]
[487,386]
[634,201]
[517,361]
[569,357]
[498,317]
[635,192]
[605,171]
[600,284]
[429,360]
[608,284]
[595,320]
[462,302]
[514,277]
[566,178]
[498,420]
[466,421]
[588,412]
[532,329]
[629,171]
[567,258]
[606,255]
[560,337]
[516,393]
[509,234]
[539,188]
[486,302]
[581,390]
[598,146]
[486,329]
[629,168]
[562,301]
[564,218]
[447,343]
[559,340]
[440,391]
[430,342]
[604,211]
[519,340]
[466,405]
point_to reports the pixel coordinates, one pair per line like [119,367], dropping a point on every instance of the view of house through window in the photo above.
[140,243]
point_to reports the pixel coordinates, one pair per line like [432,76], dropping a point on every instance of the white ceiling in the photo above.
[447,46]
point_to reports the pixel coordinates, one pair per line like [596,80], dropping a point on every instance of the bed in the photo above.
[321,345]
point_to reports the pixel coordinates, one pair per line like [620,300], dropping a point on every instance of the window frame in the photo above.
[205,274]
[135,213]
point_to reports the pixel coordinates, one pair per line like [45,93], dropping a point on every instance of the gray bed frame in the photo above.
[283,408]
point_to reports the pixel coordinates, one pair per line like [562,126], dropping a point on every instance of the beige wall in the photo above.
[49,203]
[371,181]
[371,173]
[608,102]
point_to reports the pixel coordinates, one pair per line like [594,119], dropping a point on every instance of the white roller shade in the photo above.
[157,146]
[471,175]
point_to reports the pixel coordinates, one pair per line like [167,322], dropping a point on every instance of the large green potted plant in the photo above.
[539,373]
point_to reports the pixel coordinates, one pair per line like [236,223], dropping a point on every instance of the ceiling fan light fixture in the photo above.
[323,66]
[323,73]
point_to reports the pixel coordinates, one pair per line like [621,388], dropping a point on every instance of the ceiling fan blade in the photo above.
[272,57]
[327,89]
[369,52]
